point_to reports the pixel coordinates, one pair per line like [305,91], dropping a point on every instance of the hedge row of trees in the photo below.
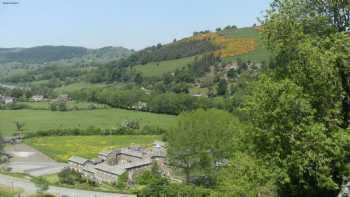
[168,103]
[145,130]
[175,50]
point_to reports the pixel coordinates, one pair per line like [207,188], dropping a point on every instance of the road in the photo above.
[29,187]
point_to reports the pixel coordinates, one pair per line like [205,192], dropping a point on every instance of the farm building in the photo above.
[112,164]
[38,98]
[7,100]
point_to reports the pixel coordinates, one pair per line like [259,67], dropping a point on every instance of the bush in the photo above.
[69,177]
[58,105]
[122,181]
[131,124]
[147,130]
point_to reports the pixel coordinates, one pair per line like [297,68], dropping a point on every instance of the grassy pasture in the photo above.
[157,69]
[61,148]
[259,55]
[35,120]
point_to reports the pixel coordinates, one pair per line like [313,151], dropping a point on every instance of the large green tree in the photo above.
[311,47]
[300,110]
[202,140]
[287,135]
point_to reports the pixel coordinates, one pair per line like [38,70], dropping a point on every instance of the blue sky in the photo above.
[129,23]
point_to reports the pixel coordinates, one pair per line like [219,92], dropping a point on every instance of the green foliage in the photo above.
[222,87]
[19,126]
[299,111]
[41,184]
[201,140]
[69,177]
[160,186]
[286,134]
[246,176]
[129,98]
[58,105]
[201,65]
[122,181]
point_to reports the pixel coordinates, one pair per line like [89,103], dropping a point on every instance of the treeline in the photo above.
[138,99]
[146,130]
[53,72]
[176,50]
[43,54]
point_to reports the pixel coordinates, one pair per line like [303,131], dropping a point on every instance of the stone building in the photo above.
[110,165]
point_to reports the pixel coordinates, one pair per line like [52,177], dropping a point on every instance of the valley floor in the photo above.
[36,120]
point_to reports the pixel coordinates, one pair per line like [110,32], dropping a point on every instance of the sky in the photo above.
[133,24]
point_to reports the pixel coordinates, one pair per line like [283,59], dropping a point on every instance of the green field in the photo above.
[35,120]
[61,148]
[259,55]
[157,69]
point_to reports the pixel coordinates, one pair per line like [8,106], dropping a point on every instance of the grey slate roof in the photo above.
[90,168]
[135,164]
[126,151]
[110,169]
[78,160]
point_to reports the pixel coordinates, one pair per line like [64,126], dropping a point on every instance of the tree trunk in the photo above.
[187,174]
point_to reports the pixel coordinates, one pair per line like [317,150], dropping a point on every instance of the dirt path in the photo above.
[26,159]
[25,153]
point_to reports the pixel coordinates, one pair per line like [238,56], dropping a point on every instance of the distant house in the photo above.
[7,100]
[140,106]
[197,95]
[38,98]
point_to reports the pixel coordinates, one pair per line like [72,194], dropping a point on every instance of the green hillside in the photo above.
[156,69]
[41,54]
[47,54]
[258,55]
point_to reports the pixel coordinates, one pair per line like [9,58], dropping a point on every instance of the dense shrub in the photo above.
[69,177]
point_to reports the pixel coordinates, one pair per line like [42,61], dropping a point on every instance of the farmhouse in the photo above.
[7,100]
[112,164]
[38,98]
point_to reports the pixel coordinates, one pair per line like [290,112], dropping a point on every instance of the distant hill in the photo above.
[230,43]
[46,54]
